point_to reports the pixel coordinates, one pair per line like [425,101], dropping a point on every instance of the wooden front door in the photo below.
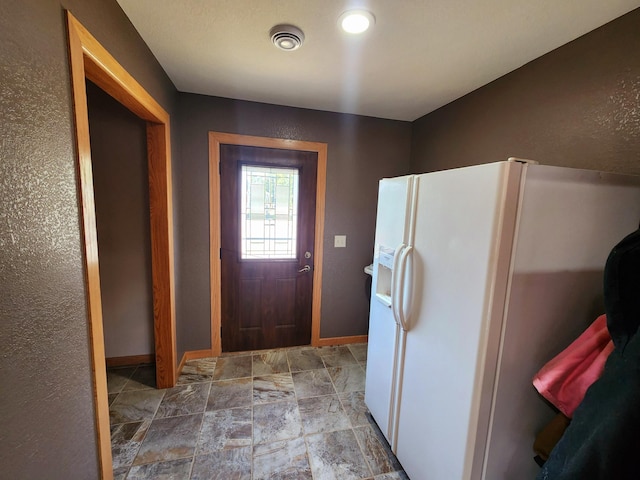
[267,217]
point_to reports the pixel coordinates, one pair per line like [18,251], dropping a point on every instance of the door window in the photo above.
[268,212]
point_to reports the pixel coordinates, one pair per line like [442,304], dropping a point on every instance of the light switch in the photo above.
[340,241]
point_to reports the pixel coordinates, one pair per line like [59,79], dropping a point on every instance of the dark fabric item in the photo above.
[622,290]
[603,440]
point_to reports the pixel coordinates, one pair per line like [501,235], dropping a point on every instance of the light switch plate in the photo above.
[340,241]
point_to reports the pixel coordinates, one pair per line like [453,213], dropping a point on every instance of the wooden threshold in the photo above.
[326,342]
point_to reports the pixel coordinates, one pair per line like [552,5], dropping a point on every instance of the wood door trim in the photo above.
[88,59]
[130,360]
[329,341]
[193,355]
[215,140]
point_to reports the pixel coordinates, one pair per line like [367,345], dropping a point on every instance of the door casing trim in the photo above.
[88,59]
[215,140]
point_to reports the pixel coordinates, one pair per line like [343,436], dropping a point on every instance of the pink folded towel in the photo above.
[565,379]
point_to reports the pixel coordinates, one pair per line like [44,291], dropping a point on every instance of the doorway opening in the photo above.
[89,60]
[217,143]
[121,193]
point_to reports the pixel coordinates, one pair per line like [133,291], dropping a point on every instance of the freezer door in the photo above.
[463,230]
[392,229]
[393,220]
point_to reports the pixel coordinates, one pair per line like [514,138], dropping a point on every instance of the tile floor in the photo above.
[286,414]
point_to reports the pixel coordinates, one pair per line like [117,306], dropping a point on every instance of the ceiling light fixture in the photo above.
[356,21]
[287,37]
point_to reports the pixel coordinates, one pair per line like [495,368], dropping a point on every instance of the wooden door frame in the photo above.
[90,60]
[215,140]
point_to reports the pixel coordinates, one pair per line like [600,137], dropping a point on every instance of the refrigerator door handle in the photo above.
[402,317]
[395,278]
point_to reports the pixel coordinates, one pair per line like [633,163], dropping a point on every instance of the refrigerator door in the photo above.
[392,234]
[463,231]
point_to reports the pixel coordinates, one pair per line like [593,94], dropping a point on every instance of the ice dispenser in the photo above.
[385,270]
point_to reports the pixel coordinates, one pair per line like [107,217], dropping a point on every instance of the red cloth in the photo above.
[565,379]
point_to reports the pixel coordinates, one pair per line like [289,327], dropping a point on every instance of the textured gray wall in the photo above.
[577,106]
[46,405]
[361,150]
[121,191]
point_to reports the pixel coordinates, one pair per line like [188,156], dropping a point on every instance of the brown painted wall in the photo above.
[121,191]
[361,150]
[46,400]
[576,106]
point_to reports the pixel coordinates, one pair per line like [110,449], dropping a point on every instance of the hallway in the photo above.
[295,413]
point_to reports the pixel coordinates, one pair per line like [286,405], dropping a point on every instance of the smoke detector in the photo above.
[287,37]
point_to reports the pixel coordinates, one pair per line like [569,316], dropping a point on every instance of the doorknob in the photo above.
[305,269]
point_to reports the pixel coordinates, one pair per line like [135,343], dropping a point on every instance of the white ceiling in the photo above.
[420,55]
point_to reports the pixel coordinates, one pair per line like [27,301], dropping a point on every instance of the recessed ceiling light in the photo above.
[356,21]
[287,37]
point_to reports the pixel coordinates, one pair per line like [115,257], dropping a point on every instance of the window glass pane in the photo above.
[268,212]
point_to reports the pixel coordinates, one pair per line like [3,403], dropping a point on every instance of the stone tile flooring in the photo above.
[286,414]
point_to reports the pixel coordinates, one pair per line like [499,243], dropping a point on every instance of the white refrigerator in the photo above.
[481,275]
